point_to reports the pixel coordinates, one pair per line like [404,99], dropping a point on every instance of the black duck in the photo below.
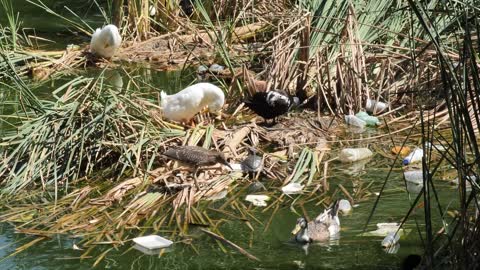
[271,104]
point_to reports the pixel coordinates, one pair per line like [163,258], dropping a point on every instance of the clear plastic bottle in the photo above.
[415,176]
[354,121]
[354,154]
[369,120]
[415,156]
[390,240]
[375,106]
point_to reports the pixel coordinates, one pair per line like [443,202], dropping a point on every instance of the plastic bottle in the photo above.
[354,154]
[415,156]
[414,188]
[415,176]
[375,106]
[344,206]
[354,121]
[390,240]
[369,120]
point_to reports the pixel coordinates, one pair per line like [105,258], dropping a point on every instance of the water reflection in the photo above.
[357,168]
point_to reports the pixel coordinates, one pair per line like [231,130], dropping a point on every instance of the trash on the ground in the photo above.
[152,11]
[257,200]
[402,151]
[390,240]
[344,206]
[352,120]
[252,163]
[152,242]
[236,167]
[202,69]
[369,120]
[354,154]
[414,156]
[216,68]
[292,188]
[374,106]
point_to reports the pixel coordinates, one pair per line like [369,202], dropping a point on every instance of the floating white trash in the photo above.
[354,154]
[292,188]
[344,206]
[152,242]
[390,240]
[415,156]
[257,200]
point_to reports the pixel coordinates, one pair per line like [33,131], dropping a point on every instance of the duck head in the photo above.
[220,158]
[300,230]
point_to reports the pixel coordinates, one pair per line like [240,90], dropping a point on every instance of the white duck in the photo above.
[105,41]
[183,106]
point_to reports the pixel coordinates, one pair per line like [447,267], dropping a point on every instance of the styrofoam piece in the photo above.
[257,200]
[152,242]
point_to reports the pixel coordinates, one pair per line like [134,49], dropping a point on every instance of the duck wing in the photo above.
[318,231]
[182,105]
[269,104]
[194,155]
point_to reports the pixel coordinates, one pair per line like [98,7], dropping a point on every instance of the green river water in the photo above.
[273,247]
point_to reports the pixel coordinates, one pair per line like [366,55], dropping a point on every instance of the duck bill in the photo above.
[296,229]
[228,165]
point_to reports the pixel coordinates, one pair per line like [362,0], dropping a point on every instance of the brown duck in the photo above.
[323,227]
[196,156]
